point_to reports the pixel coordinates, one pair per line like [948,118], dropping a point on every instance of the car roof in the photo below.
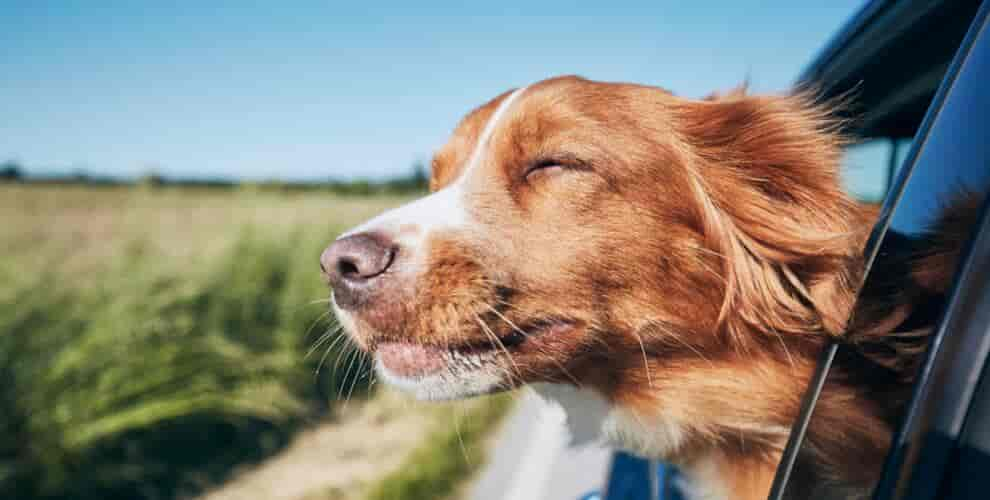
[890,57]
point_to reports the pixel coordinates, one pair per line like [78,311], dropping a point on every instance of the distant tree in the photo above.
[79,176]
[11,171]
[421,176]
[151,180]
[361,187]
[415,181]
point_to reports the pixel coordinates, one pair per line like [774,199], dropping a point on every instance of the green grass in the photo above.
[452,452]
[150,340]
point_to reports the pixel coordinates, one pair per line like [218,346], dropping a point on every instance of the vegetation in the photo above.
[436,470]
[10,171]
[150,339]
[415,182]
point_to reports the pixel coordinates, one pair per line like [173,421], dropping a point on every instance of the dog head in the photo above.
[597,233]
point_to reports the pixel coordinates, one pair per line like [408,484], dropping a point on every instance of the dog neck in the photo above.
[739,461]
[708,475]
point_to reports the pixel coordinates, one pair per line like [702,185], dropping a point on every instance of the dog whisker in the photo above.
[458,415]
[516,328]
[354,355]
[672,335]
[499,344]
[646,363]
[358,376]
[323,339]
[350,350]
[326,354]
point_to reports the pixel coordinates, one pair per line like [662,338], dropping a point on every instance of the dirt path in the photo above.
[336,459]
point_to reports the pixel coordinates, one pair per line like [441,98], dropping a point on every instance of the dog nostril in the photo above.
[357,259]
[348,269]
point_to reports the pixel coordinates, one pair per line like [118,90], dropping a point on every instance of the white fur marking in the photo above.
[444,209]
[409,225]
[703,480]
[486,133]
[655,436]
[584,411]
[590,417]
[465,375]
[546,439]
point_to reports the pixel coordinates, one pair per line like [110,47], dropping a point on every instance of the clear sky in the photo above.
[310,90]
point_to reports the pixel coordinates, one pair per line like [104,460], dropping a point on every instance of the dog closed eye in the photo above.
[543,170]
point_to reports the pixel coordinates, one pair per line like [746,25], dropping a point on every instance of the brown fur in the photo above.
[697,255]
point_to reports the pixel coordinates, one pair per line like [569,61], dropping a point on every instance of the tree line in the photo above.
[416,181]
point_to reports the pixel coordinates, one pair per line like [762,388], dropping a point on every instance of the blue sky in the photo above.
[310,90]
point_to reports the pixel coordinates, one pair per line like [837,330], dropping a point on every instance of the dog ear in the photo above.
[764,171]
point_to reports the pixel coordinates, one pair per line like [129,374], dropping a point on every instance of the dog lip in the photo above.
[411,360]
[415,360]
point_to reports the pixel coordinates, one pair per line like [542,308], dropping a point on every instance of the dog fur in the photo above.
[667,268]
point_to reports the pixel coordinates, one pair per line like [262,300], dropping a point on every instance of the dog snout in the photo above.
[355,265]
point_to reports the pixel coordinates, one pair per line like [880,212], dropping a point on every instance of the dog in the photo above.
[666,269]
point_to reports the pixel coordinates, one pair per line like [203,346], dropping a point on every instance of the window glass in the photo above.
[865,169]
[868,167]
[900,153]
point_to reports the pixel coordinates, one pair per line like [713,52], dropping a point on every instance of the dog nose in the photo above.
[352,263]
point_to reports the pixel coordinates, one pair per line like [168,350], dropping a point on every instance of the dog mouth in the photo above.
[413,360]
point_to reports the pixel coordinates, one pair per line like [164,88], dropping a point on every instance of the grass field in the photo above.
[153,339]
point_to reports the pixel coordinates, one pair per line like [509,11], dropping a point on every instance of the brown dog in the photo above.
[670,267]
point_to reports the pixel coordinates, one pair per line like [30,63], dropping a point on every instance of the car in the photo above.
[917,73]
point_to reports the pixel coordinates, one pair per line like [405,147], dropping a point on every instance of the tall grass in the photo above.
[154,378]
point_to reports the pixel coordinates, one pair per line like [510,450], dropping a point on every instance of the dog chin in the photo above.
[449,384]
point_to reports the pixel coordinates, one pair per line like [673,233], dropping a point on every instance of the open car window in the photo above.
[931,214]
[870,165]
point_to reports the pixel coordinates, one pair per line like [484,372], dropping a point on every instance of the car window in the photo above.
[869,166]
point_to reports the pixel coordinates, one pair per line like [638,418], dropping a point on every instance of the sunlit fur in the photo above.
[679,274]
